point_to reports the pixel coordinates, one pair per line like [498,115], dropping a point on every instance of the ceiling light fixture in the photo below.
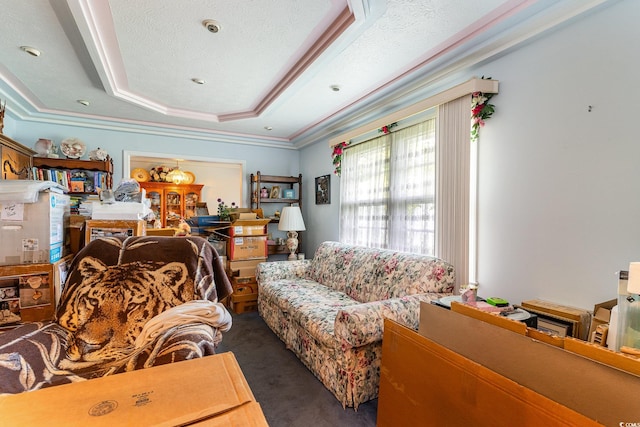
[176,175]
[212,26]
[30,50]
[83,102]
[198,81]
[268,128]
[335,88]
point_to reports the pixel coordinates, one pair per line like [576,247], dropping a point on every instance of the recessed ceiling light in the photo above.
[198,81]
[83,102]
[335,88]
[30,50]
[268,128]
[212,26]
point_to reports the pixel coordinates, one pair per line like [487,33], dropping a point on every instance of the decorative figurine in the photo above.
[98,154]
[43,147]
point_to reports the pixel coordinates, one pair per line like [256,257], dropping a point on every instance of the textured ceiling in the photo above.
[272,64]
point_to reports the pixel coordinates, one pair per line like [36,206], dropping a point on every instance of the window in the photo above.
[388,191]
[452,215]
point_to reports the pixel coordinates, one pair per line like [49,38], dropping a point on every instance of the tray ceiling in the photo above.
[278,72]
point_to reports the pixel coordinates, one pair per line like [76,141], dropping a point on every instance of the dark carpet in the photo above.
[289,394]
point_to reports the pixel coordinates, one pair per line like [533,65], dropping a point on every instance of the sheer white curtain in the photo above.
[364,193]
[387,191]
[413,189]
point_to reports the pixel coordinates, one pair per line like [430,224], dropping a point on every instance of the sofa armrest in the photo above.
[279,270]
[362,324]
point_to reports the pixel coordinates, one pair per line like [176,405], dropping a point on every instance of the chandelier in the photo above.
[176,175]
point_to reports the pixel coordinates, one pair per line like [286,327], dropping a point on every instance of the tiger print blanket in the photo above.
[127,304]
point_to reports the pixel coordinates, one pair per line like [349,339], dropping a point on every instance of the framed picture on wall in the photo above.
[323,190]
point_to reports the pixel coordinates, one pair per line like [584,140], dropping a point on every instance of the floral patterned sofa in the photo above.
[330,310]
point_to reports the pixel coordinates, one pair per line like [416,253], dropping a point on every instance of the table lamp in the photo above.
[291,221]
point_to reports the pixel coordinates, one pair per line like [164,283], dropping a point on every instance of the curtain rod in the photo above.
[470,86]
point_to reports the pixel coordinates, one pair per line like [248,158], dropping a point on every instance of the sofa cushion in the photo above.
[310,304]
[371,274]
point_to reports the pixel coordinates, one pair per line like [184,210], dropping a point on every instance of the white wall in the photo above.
[321,221]
[224,180]
[559,187]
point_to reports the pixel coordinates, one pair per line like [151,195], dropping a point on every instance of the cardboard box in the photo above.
[249,227]
[247,247]
[207,391]
[243,267]
[243,213]
[422,382]
[244,280]
[168,231]
[108,228]
[244,306]
[246,297]
[249,415]
[247,289]
[34,232]
[241,264]
[599,391]
[601,316]
[118,211]
[249,271]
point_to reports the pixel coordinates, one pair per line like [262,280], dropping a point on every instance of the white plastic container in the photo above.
[34,232]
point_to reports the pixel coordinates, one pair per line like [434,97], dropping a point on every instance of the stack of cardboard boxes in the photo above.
[246,248]
[34,250]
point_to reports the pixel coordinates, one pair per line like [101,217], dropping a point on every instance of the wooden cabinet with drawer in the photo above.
[16,159]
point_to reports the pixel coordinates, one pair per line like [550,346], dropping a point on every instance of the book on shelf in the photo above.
[90,181]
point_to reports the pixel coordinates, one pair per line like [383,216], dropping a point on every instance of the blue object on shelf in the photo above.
[203,221]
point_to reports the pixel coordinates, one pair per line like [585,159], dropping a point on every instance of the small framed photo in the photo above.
[323,190]
[275,192]
[288,193]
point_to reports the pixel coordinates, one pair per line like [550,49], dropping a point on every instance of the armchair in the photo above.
[127,304]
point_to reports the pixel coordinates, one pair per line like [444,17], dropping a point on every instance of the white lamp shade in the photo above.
[633,285]
[291,219]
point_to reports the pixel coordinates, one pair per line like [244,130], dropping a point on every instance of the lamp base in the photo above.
[292,244]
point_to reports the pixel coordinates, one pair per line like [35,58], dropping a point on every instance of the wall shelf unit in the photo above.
[285,184]
[103,172]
